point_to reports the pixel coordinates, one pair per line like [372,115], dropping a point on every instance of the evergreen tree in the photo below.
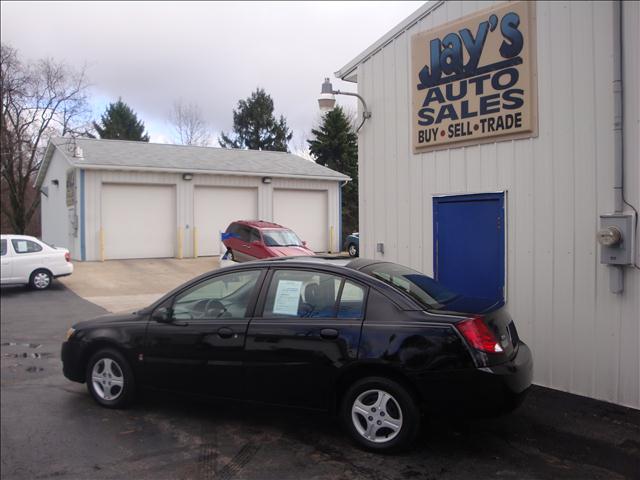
[335,145]
[120,122]
[255,127]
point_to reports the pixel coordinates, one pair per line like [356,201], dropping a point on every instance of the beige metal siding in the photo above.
[585,339]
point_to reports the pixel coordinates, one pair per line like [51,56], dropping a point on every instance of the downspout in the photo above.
[616,272]
[618,153]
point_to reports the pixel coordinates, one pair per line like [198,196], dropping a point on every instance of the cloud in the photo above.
[213,54]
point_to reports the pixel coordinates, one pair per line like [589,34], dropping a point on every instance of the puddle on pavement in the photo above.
[15,344]
[37,356]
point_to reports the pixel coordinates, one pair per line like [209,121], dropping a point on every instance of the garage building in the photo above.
[110,199]
[502,137]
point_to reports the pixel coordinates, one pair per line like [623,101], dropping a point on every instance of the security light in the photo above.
[327,101]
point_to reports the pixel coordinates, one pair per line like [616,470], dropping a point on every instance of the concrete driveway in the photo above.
[121,285]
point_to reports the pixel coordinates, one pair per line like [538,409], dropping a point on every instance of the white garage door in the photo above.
[304,212]
[139,221]
[216,208]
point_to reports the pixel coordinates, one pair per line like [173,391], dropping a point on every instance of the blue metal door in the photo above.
[468,239]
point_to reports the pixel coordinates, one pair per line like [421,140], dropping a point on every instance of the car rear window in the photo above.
[422,288]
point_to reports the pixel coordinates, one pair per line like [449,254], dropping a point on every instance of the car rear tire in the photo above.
[110,380]
[353,250]
[380,414]
[40,279]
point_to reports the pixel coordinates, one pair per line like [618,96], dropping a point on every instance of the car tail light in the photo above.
[476,332]
[67,256]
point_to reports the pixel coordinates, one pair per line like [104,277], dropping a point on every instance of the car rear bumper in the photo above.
[73,355]
[64,270]
[488,390]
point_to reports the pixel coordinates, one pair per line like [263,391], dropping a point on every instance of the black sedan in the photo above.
[375,342]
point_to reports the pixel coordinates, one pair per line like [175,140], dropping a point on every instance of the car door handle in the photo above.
[246,246]
[225,332]
[329,333]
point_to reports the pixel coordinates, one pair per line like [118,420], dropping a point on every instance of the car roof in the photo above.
[17,237]
[259,224]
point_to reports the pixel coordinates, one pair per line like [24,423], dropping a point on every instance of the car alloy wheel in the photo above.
[380,414]
[377,416]
[110,379]
[353,251]
[40,280]
[107,379]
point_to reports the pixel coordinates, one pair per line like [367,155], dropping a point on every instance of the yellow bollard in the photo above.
[331,239]
[179,243]
[195,242]
[101,244]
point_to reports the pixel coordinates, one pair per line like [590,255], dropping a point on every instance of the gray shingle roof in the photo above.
[142,155]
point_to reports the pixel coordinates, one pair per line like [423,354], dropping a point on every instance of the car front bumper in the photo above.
[73,360]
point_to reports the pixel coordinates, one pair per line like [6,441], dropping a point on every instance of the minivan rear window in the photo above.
[423,289]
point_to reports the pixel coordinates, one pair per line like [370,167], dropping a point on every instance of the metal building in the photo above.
[498,132]
[109,199]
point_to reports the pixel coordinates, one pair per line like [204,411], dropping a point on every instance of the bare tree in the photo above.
[189,125]
[39,100]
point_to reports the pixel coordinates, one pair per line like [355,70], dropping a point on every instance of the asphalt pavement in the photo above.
[51,428]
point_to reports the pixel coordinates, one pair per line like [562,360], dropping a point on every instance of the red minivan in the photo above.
[248,240]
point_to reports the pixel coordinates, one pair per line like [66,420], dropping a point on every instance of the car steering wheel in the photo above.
[214,308]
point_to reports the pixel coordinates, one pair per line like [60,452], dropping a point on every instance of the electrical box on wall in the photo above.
[616,239]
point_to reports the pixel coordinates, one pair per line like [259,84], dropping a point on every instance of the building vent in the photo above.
[77,152]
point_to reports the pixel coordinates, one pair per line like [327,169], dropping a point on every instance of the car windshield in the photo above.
[280,238]
[423,289]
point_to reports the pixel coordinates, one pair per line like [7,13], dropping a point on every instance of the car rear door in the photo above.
[28,256]
[308,326]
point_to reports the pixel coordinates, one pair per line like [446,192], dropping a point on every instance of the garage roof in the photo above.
[142,156]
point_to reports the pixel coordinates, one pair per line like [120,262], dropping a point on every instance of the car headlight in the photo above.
[70,333]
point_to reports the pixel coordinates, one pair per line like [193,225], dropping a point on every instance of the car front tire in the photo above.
[110,380]
[40,280]
[380,414]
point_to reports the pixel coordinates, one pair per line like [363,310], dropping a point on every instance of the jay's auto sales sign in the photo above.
[474,79]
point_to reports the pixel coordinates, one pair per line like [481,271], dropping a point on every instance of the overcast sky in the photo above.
[213,54]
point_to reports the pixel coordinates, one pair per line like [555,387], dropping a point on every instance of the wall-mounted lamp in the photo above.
[55,182]
[266,180]
[187,176]
[327,101]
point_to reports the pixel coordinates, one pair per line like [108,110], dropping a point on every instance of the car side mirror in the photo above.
[304,243]
[162,315]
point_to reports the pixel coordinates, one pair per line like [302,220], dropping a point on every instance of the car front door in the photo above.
[7,265]
[307,327]
[198,347]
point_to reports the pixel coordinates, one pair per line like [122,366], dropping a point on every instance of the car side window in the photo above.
[3,248]
[25,246]
[224,296]
[243,233]
[351,301]
[308,294]
[254,235]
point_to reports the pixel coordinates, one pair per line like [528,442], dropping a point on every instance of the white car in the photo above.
[29,261]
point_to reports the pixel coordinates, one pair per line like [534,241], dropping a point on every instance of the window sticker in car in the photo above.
[22,246]
[287,297]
